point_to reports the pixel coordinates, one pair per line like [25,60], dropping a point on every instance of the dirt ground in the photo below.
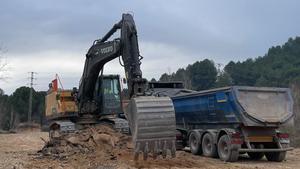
[20,151]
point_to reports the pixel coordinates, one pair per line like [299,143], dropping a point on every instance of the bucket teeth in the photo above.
[173,149]
[136,151]
[152,122]
[164,152]
[146,151]
[156,150]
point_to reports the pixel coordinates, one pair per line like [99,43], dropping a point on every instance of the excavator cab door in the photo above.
[107,95]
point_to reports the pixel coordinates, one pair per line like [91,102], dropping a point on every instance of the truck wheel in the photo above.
[277,156]
[255,155]
[208,147]
[194,141]
[224,150]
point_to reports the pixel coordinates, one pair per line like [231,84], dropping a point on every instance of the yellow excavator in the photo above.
[151,119]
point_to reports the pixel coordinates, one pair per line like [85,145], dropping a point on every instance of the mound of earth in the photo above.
[100,138]
[98,147]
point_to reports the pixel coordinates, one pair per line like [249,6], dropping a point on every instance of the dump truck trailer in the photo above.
[229,121]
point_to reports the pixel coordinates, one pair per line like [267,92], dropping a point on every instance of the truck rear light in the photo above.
[283,138]
[236,141]
[283,135]
[236,135]
[236,138]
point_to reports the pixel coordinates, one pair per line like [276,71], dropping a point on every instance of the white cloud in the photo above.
[160,58]
[46,64]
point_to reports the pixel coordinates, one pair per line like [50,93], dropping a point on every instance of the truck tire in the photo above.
[195,144]
[277,156]
[209,149]
[256,155]
[224,150]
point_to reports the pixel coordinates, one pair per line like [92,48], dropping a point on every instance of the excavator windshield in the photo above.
[111,93]
[107,94]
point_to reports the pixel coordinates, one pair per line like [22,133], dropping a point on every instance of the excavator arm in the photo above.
[151,119]
[97,56]
[103,51]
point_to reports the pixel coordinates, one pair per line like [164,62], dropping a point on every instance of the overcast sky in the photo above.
[48,37]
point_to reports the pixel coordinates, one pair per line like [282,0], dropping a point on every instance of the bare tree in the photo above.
[3,64]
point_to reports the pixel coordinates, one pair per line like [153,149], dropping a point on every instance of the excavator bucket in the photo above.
[152,124]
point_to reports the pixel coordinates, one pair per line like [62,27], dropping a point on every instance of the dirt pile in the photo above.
[100,138]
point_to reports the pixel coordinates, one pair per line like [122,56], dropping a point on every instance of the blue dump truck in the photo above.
[230,121]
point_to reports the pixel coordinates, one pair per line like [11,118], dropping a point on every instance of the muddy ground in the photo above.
[20,151]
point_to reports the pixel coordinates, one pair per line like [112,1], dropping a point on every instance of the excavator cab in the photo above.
[108,95]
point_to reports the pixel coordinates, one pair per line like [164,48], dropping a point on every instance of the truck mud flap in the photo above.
[152,122]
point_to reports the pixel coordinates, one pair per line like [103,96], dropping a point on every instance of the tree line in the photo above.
[14,108]
[279,67]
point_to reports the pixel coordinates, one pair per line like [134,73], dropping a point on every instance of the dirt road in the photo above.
[19,151]
[15,149]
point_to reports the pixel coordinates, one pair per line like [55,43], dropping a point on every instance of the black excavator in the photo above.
[151,118]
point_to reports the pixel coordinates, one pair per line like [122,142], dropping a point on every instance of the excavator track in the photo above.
[152,123]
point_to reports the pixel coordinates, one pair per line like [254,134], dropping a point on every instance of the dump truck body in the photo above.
[248,106]
[228,121]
